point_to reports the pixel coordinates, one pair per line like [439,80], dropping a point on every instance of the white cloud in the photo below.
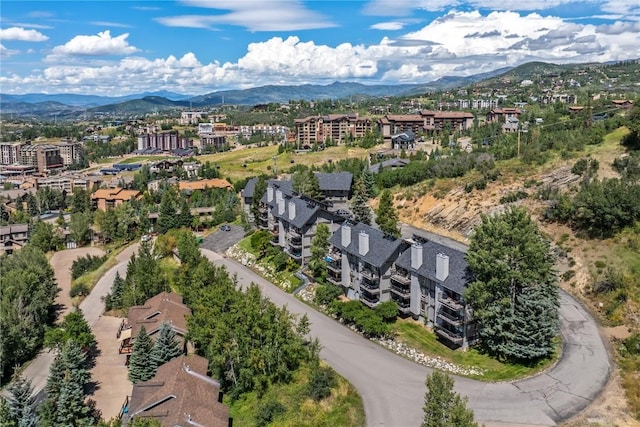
[20,34]
[458,43]
[5,53]
[388,26]
[100,44]
[110,24]
[254,15]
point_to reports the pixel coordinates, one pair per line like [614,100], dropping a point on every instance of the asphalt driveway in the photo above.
[221,240]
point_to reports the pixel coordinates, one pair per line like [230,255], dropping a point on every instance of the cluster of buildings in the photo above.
[21,158]
[163,141]
[181,393]
[425,278]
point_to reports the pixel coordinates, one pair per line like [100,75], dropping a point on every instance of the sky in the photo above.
[195,47]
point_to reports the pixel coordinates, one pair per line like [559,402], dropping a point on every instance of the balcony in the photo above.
[401,291]
[450,318]
[451,303]
[369,274]
[275,240]
[371,288]
[403,307]
[401,278]
[294,232]
[369,301]
[451,336]
[334,265]
[336,280]
[294,254]
[295,242]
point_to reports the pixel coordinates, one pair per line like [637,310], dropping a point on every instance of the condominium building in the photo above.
[70,152]
[10,152]
[334,127]
[191,117]
[164,141]
[106,198]
[45,157]
[427,122]
[360,261]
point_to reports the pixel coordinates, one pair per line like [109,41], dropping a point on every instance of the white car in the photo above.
[145,238]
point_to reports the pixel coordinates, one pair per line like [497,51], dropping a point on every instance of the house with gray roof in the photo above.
[428,282]
[360,260]
[394,163]
[293,220]
[335,186]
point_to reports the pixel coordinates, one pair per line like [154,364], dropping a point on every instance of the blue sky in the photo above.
[200,46]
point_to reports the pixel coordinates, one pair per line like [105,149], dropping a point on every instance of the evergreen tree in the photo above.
[386,216]
[258,193]
[167,214]
[74,327]
[166,347]
[443,407]
[369,182]
[141,364]
[359,203]
[43,237]
[319,245]
[184,217]
[20,409]
[113,300]
[513,292]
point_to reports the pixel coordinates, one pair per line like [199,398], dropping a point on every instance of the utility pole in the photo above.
[275,165]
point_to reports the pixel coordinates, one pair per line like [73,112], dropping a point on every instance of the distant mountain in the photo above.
[85,100]
[148,104]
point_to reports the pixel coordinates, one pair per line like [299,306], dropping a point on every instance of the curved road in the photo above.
[392,388]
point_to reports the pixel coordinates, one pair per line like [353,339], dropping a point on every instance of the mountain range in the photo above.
[72,105]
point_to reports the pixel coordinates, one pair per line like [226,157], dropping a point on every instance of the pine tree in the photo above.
[167,215]
[319,245]
[71,408]
[117,292]
[20,410]
[386,216]
[514,293]
[442,406]
[141,365]
[369,182]
[359,204]
[184,218]
[166,347]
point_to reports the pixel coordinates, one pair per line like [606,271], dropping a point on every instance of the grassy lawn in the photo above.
[260,160]
[342,408]
[418,337]
[89,280]
[139,159]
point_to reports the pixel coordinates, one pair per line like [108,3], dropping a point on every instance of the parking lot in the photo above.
[222,240]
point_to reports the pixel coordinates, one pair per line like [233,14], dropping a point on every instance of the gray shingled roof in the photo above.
[381,247]
[457,279]
[305,212]
[339,181]
[396,162]
[250,187]
[285,186]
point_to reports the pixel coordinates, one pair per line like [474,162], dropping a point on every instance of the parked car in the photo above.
[225,227]
[145,238]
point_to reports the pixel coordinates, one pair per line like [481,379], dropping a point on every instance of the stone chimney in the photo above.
[416,256]
[442,267]
[292,211]
[269,194]
[280,206]
[345,231]
[363,243]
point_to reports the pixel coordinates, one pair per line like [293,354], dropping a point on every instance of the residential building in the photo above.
[10,152]
[204,183]
[393,163]
[403,141]
[106,198]
[293,220]
[429,122]
[335,127]
[624,104]
[191,117]
[13,237]
[393,124]
[428,282]
[163,141]
[335,187]
[500,115]
[71,152]
[247,194]
[180,394]
[45,157]
[213,140]
[360,261]
[164,307]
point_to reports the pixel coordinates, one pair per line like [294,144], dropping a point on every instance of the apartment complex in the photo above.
[334,127]
[10,152]
[426,122]
[70,152]
[191,117]
[163,141]
[43,157]
[13,237]
[106,198]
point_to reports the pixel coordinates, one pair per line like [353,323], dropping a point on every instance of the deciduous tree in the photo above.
[386,215]
[319,246]
[360,203]
[443,407]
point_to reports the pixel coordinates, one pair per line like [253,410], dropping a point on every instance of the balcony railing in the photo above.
[125,407]
[296,243]
[275,240]
[294,254]
[403,307]
[334,280]
[293,232]
[451,336]
[334,266]
[369,301]
[449,318]
[403,292]
[369,274]
[451,303]
[400,278]
[372,288]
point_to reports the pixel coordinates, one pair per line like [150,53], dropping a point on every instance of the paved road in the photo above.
[392,388]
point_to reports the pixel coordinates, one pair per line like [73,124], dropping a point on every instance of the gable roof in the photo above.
[164,307]
[396,162]
[382,247]
[458,275]
[338,181]
[116,193]
[180,394]
[250,187]
[204,183]
[305,211]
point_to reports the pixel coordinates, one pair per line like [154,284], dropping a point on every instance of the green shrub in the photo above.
[78,289]
[321,381]
[268,411]
[86,264]
[326,294]
[568,275]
